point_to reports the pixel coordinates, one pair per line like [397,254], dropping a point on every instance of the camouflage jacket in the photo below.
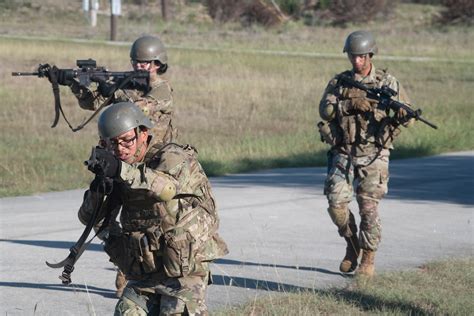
[170,236]
[157,104]
[361,133]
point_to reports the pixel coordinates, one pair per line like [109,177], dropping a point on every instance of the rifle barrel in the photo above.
[17,73]
[427,123]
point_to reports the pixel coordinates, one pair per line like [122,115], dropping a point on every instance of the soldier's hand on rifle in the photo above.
[100,185]
[360,104]
[106,89]
[103,163]
[43,70]
[401,114]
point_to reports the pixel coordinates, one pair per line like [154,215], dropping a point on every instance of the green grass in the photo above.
[438,288]
[243,110]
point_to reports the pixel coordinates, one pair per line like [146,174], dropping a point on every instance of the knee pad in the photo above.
[131,304]
[339,214]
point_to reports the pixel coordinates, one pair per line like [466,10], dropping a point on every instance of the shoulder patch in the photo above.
[381,74]
[161,92]
[172,159]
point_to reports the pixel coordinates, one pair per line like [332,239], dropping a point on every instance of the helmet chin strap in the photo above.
[138,152]
[141,148]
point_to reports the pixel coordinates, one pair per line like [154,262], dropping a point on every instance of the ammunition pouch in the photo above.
[329,133]
[135,253]
[178,254]
[387,133]
[192,240]
[349,129]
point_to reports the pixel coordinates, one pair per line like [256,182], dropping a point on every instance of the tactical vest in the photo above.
[364,130]
[171,237]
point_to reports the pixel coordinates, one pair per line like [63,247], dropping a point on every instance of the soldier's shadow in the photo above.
[217,279]
[76,288]
[271,265]
[256,284]
[265,285]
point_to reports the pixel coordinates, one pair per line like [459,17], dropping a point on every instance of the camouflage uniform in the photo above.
[360,149]
[164,245]
[157,104]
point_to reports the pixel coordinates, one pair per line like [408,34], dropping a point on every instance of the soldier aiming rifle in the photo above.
[147,86]
[86,73]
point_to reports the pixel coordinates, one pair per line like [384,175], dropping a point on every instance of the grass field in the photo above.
[242,109]
[438,288]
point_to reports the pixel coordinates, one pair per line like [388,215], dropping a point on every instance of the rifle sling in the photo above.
[105,103]
[112,202]
[57,100]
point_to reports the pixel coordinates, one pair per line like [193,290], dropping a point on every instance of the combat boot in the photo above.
[349,263]
[367,264]
[120,283]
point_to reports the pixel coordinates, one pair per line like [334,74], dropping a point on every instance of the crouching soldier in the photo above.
[168,222]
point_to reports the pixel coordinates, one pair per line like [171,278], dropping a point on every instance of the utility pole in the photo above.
[90,8]
[85,8]
[94,9]
[115,11]
[164,10]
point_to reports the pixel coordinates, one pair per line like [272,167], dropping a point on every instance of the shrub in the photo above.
[291,7]
[245,11]
[431,2]
[224,10]
[457,12]
[357,11]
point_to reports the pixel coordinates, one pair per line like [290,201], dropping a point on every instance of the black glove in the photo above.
[106,89]
[104,163]
[43,71]
[101,185]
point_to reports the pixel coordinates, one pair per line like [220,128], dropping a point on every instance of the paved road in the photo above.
[276,226]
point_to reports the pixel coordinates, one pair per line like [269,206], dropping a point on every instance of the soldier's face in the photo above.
[149,66]
[360,63]
[130,146]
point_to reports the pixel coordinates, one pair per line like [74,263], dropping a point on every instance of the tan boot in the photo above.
[349,263]
[367,264]
[120,283]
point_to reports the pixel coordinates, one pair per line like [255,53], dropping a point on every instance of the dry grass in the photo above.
[439,288]
[242,109]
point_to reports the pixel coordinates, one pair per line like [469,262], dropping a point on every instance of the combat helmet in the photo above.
[121,117]
[149,48]
[359,43]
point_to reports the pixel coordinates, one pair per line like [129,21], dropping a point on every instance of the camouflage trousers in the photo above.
[173,296]
[369,175]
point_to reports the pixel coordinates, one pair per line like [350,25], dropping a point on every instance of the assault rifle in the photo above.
[110,203]
[384,96]
[86,73]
